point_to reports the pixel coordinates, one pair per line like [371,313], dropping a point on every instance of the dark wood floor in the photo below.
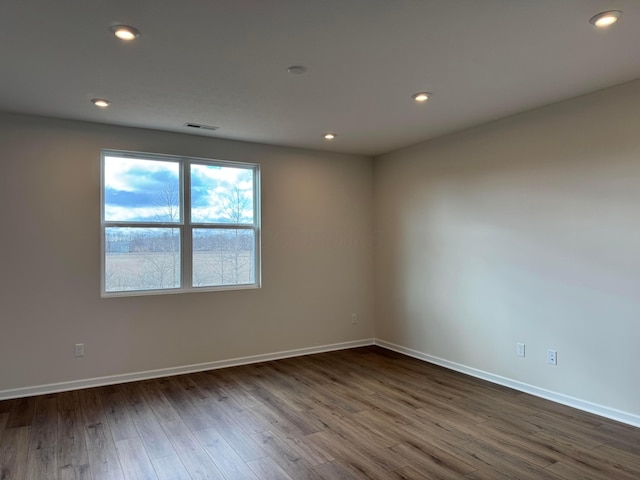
[356,414]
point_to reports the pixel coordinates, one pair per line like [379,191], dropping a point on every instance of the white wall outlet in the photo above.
[354,318]
[552,357]
[520,349]
[78,350]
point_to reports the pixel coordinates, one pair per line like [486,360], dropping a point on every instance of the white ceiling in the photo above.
[224,63]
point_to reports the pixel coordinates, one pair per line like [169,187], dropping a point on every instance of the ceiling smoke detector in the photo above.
[297,69]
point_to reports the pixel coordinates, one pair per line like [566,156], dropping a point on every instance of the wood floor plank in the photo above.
[170,468]
[290,462]
[595,461]
[293,417]
[334,471]
[307,451]
[286,387]
[364,413]
[314,374]
[251,422]
[224,456]
[378,456]
[21,413]
[155,440]
[570,472]
[4,417]
[286,425]
[345,427]
[79,472]
[101,449]
[412,473]
[196,461]
[118,417]
[560,411]
[241,441]
[519,444]
[189,385]
[410,434]
[212,390]
[161,406]
[432,461]
[71,443]
[6,405]
[484,453]
[333,401]
[42,457]
[233,386]
[626,460]
[622,437]
[134,460]
[548,424]
[44,426]
[488,473]
[188,408]
[13,453]
[266,469]
[347,456]
[41,464]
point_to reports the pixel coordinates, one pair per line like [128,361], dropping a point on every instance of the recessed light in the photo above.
[329,136]
[605,19]
[125,32]
[421,97]
[297,69]
[101,102]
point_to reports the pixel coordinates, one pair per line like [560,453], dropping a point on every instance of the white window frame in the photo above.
[185,225]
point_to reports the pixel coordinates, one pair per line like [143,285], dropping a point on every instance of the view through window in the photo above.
[173,224]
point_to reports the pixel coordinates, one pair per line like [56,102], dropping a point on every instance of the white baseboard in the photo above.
[607,412]
[165,372]
[603,411]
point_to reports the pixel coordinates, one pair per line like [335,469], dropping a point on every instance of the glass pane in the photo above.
[223,257]
[141,190]
[221,194]
[141,259]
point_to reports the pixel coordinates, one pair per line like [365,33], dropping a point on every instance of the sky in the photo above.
[137,190]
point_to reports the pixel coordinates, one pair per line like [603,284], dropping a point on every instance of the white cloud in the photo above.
[117,213]
[118,176]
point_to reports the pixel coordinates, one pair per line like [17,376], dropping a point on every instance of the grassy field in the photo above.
[160,270]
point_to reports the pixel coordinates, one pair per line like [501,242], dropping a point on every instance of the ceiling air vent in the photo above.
[199,126]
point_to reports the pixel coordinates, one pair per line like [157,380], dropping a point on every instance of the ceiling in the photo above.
[224,63]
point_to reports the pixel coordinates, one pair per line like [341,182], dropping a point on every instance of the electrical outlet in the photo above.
[520,349]
[78,350]
[354,318]
[552,357]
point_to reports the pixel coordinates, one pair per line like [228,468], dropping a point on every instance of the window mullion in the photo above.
[142,224]
[257,232]
[187,232]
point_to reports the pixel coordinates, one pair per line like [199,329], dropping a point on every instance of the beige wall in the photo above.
[317,259]
[524,230]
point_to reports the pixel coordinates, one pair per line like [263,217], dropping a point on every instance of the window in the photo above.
[173,224]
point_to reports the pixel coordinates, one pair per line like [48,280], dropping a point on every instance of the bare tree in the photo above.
[167,203]
[162,252]
[226,254]
[235,204]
